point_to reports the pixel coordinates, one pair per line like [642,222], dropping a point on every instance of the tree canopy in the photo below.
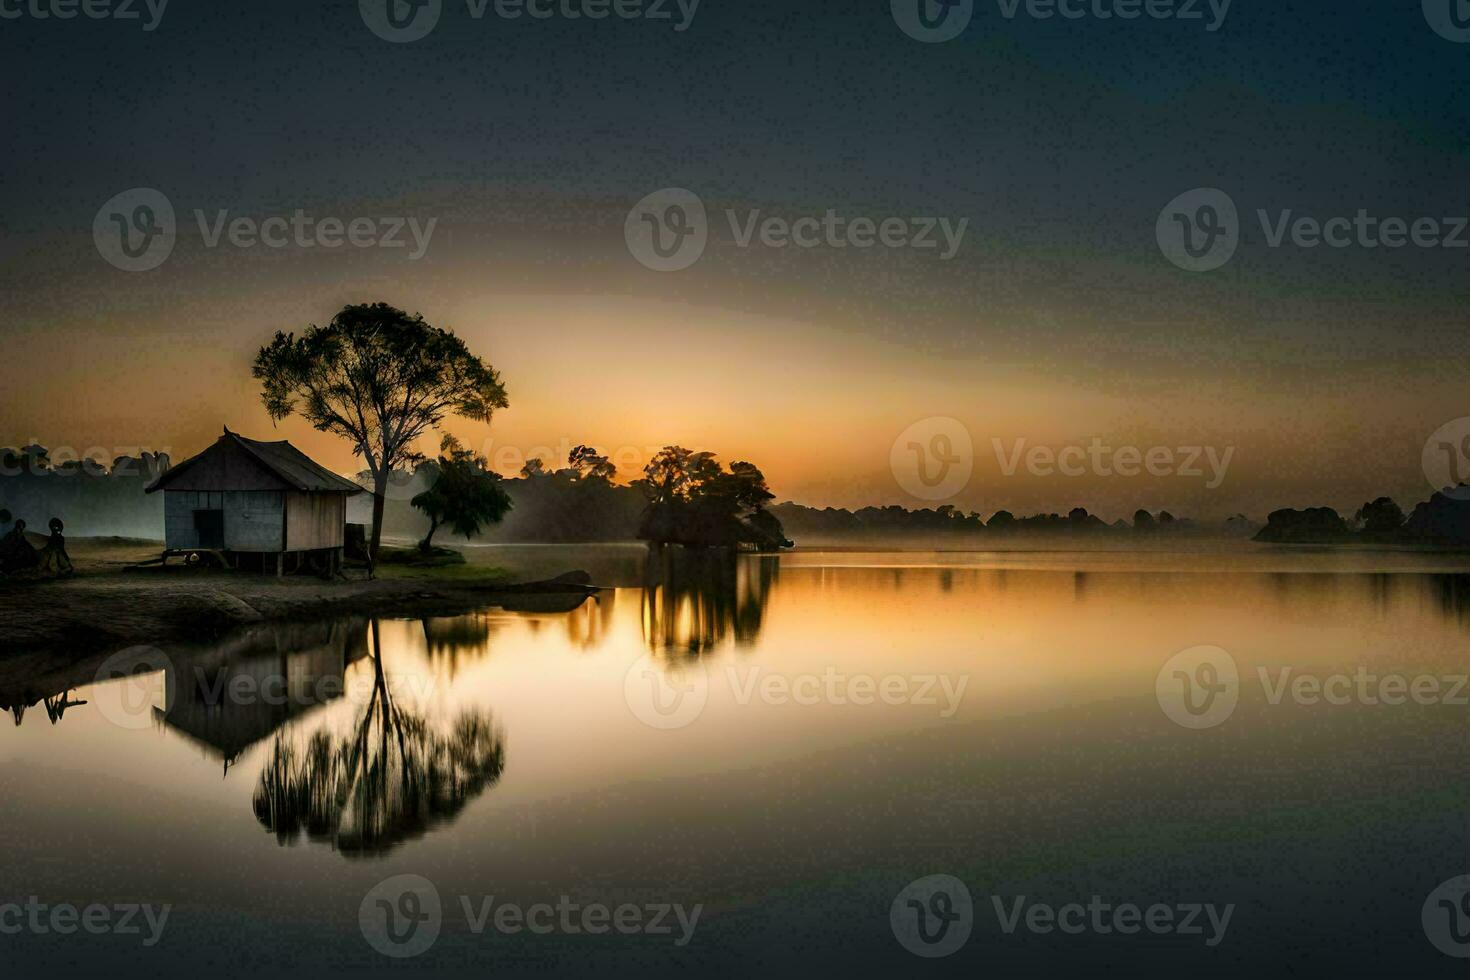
[693,500]
[380,379]
[465,494]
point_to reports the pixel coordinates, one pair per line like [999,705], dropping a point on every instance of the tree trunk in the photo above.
[380,489]
[428,542]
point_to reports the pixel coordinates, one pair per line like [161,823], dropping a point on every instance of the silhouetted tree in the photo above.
[588,464]
[380,378]
[465,495]
[1380,517]
[1143,520]
[1313,525]
[692,500]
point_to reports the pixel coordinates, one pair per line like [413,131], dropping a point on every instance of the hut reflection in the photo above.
[238,693]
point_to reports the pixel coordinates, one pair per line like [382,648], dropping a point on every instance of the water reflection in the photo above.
[390,779]
[457,641]
[694,601]
[364,767]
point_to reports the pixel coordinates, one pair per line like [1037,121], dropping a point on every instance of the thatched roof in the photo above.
[237,463]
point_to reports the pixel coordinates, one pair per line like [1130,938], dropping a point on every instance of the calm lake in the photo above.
[746,767]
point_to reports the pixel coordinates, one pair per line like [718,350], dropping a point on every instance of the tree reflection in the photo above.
[693,600]
[391,779]
[452,639]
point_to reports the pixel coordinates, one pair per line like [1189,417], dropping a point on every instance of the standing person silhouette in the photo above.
[54,560]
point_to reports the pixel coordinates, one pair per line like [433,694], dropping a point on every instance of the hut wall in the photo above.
[178,515]
[315,520]
[255,520]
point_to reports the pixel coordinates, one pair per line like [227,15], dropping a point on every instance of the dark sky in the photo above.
[528,140]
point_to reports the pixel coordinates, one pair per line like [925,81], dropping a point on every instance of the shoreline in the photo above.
[108,606]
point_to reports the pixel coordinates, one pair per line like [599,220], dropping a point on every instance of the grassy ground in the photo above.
[440,564]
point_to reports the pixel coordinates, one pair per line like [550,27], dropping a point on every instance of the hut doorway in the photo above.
[210,526]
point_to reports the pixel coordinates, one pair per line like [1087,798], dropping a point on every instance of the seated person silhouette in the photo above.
[16,552]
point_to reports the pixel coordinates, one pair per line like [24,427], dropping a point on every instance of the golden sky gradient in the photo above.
[817,407]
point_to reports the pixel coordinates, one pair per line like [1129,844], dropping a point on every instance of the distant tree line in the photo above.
[948,520]
[683,496]
[1443,519]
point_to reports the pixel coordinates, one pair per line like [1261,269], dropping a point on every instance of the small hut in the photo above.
[255,503]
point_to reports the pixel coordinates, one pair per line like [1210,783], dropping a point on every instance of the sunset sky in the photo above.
[1058,320]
